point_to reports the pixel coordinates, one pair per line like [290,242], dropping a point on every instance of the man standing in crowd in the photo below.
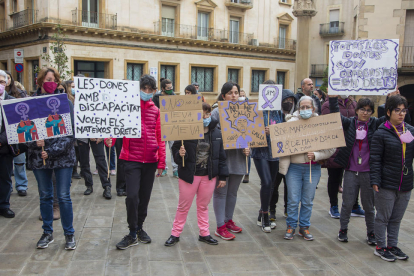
[307,90]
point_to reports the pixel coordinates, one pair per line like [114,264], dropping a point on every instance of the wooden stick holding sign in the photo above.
[182,144]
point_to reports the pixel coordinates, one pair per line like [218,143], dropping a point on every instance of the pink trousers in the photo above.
[204,189]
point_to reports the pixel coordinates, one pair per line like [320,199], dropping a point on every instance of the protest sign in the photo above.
[363,67]
[270,97]
[181,117]
[39,118]
[316,133]
[107,108]
[242,125]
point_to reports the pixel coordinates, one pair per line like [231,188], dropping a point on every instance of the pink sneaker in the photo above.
[232,227]
[223,233]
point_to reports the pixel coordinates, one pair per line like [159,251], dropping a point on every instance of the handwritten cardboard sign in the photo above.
[270,97]
[316,133]
[181,117]
[107,108]
[242,125]
[363,67]
[39,118]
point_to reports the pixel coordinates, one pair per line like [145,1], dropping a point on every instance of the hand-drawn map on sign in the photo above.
[363,67]
[270,97]
[242,125]
[39,118]
[316,133]
[107,108]
[181,117]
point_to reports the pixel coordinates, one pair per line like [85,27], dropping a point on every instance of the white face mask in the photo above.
[344,97]
[242,99]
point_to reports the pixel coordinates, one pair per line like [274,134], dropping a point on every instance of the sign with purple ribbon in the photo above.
[39,118]
[270,97]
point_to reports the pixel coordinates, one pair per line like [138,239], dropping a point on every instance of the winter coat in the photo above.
[349,126]
[302,158]
[4,148]
[386,165]
[347,110]
[156,98]
[149,148]
[216,160]
[315,99]
[60,151]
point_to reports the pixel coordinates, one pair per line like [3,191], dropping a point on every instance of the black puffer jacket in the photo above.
[216,161]
[386,160]
[349,125]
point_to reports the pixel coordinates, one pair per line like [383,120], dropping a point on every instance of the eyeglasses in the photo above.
[363,110]
[3,82]
[305,107]
[401,111]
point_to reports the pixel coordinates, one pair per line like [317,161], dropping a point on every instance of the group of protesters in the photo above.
[376,163]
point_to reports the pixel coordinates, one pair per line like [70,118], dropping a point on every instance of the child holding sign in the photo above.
[208,158]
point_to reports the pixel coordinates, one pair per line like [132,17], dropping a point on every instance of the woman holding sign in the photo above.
[302,175]
[143,157]
[224,200]
[208,158]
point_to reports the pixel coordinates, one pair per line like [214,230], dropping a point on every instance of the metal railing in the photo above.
[247,3]
[94,20]
[332,29]
[407,56]
[24,18]
[284,43]
[317,70]
[199,33]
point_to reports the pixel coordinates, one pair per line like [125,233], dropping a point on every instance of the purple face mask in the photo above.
[2,88]
[407,137]
[361,134]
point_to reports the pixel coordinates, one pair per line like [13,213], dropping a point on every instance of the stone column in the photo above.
[304,10]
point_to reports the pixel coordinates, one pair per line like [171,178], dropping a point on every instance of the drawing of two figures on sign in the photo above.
[55,125]
[27,131]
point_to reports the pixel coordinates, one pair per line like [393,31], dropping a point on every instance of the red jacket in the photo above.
[149,148]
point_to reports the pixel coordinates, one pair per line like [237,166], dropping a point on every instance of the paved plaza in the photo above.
[101,223]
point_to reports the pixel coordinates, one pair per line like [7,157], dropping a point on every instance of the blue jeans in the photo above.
[45,186]
[300,190]
[113,157]
[267,171]
[20,176]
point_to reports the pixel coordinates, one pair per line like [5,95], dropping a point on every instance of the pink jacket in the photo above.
[149,148]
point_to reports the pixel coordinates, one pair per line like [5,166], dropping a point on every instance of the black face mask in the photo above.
[287,106]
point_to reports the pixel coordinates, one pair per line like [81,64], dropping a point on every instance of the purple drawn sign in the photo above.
[270,97]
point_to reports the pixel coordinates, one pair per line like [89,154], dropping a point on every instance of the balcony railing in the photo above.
[24,18]
[241,4]
[284,43]
[200,33]
[334,28]
[408,56]
[94,20]
[317,70]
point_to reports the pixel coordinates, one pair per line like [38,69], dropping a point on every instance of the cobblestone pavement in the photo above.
[101,223]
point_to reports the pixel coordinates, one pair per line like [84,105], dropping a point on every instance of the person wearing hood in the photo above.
[167,89]
[288,107]
[307,90]
[208,158]
[301,182]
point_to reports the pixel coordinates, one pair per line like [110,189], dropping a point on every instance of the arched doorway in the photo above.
[408,92]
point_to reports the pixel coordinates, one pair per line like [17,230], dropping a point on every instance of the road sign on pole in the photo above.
[18,56]
[19,68]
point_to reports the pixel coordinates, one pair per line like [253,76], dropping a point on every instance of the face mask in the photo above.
[241,99]
[343,97]
[407,137]
[361,134]
[2,88]
[50,87]
[287,106]
[169,92]
[206,121]
[73,91]
[306,114]
[145,97]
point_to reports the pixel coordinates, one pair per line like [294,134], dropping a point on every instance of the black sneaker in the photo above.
[75,175]
[22,193]
[143,236]
[384,254]
[107,193]
[272,216]
[172,240]
[127,242]
[45,240]
[7,213]
[208,239]
[343,235]
[70,242]
[89,190]
[264,222]
[371,238]
[398,253]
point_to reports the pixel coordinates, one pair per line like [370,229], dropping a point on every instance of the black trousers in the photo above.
[334,181]
[98,152]
[75,168]
[139,182]
[120,173]
[6,183]
[275,196]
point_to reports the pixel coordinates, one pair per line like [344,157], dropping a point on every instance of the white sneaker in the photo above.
[95,172]
[113,172]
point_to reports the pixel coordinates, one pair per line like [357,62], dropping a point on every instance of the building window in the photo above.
[258,77]
[284,1]
[233,75]
[334,21]
[234,30]
[202,25]
[235,1]
[205,78]
[168,72]
[35,64]
[281,78]
[168,20]
[90,13]
[134,71]
[282,36]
